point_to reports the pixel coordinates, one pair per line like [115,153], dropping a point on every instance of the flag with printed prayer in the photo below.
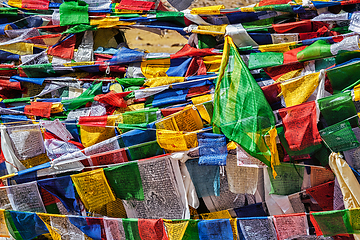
[241,111]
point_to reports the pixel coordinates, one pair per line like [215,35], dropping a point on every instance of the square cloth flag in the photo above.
[339,137]
[212,149]
[125,180]
[93,189]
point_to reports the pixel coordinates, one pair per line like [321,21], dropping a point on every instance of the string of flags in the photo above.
[249,131]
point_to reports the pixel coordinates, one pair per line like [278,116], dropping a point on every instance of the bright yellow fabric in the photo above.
[109,22]
[274,151]
[212,63]
[161,81]
[175,229]
[213,30]
[155,67]
[203,113]
[92,135]
[201,99]
[231,145]
[216,215]
[93,189]
[289,75]
[46,219]
[176,141]
[20,48]
[357,92]
[15,3]
[297,91]
[116,87]
[210,10]
[56,108]
[279,47]
[3,229]
[233,223]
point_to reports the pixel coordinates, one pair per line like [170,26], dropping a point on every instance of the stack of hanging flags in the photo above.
[248,131]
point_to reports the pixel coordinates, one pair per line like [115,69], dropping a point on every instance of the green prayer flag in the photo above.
[319,49]
[128,82]
[8,11]
[334,222]
[74,103]
[241,110]
[192,231]
[125,180]
[12,100]
[80,28]
[345,75]
[288,180]
[176,17]
[265,59]
[131,228]
[74,12]
[39,70]
[140,116]
[145,150]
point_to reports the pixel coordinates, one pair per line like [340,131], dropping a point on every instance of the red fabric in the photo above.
[152,229]
[343,237]
[278,71]
[44,36]
[35,4]
[114,68]
[324,195]
[135,5]
[77,144]
[300,126]
[271,93]
[195,91]
[65,49]
[188,51]
[42,109]
[7,70]
[49,135]
[290,56]
[98,121]
[328,86]
[53,28]
[293,27]
[272,2]
[350,2]
[102,57]
[196,67]
[308,35]
[316,26]
[11,85]
[116,156]
[47,197]
[111,98]
[316,225]
[168,111]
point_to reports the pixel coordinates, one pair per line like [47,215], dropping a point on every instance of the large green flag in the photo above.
[241,111]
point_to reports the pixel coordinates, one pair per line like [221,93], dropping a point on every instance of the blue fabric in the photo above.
[241,17]
[2,28]
[169,97]
[63,189]
[3,170]
[49,100]
[93,230]
[9,56]
[212,149]
[30,176]
[215,229]
[28,224]
[206,179]
[261,38]
[54,5]
[320,4]
[178,67]
[34,169]
[136,136]
[13,118]
[188,84]
[72,128]
[253,210]
[38,81]
[126,55]
[88,68]
[32,21]
[298,9]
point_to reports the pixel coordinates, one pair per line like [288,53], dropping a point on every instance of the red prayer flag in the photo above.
[42,109]
[278,71]
[111,98]
[188,51]
[135,5]
[168,111]
[300,126]
[35,4]
[64,49]
[272,2]
[196,67]
[111,157]
[290,56]
[271,93]
[324,195]
[293,27]
[152,229]
[97,121]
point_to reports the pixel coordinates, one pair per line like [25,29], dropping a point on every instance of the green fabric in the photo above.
[12,100]
[206,41]
[128,82]
[333,222]
[339,137]
[176,17]
[262,25]
[131,228]
[72,104]
[323,155]
[80,28]
[94,89]
[39,70]
[132,88]
[127,127]
[145,150]
[345,75]
[72,13]
[288,180]
[324,63]
[9,11]
[284,143]
[140,116]
[241,110]
[11,226]
[265,59]
[337,108]
[125,180]
[278,7]
[319,49]
[192,231]
[52,208]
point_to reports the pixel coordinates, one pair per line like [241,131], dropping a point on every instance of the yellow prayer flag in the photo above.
[93,189]
[216,215]
[212,63]
[92,135]
[210,10]
[204,113]
[297,91]
[161,81]
[274,151]
[46,219]
[155,67]
[289,75]
[109,22]
[171,140]
[56,108]
[3,228]
[247,9]
[15,3]
[116,87]
[201,99]
[357,92]
[233,223]
[213,30]
[20,48]
[175,229]
[279,47]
